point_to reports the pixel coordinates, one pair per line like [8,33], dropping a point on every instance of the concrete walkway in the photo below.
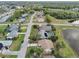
[8,52]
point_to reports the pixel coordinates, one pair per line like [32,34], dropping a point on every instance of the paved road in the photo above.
[24,46]
[50,23]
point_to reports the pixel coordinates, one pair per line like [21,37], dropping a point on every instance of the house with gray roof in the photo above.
[5,18]
[12,35]
[22,19]
[46,28]
[6,42]
[13,27]
[45,32]
[24,15]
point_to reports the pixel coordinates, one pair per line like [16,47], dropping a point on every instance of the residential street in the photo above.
[69,24]
[24,46]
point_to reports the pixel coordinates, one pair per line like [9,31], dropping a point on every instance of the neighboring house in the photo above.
[5,43]
[75,22]
[41,33]
[4,18]
[47,45]
[74,9]
[46,28]
[12,35]
[24,15]
[13,27]
[22,19]
[45,32]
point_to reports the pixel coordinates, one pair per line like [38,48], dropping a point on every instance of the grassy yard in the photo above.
[31,50]
[10,56]
[28,18]
[67,51]
[2,28]
[56,21]
[33,35]
[17,43]
[7,56]
[3,33]
[68,27]
[23,28]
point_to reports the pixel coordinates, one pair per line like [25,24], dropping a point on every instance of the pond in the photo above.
[72,37]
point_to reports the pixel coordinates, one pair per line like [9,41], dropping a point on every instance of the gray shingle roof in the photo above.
[12,34]
[5,18]
[24,15]
[6,42]
[46,28]
[13,27]
[22,19]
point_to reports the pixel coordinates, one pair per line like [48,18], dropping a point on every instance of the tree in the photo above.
[54,38]
[62,14]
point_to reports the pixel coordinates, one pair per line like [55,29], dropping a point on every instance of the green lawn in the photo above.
[23,28]
[33,35]
[32,50]
[68,27]
[7,56]
[10,56]
[3,33]
[2,28]
[17,43]
[56,21]
[67,51]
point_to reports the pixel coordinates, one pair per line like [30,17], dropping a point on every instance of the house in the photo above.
[5,43]
[47,45]
[13,27]
[46,28]
[45,32]
[4,18]
[12,35]
[22,19]
[41,33]
[24,15]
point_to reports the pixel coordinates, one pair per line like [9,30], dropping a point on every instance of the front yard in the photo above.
[34,35]
[17,43]
[34,52]
[23,28]
[2,28]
